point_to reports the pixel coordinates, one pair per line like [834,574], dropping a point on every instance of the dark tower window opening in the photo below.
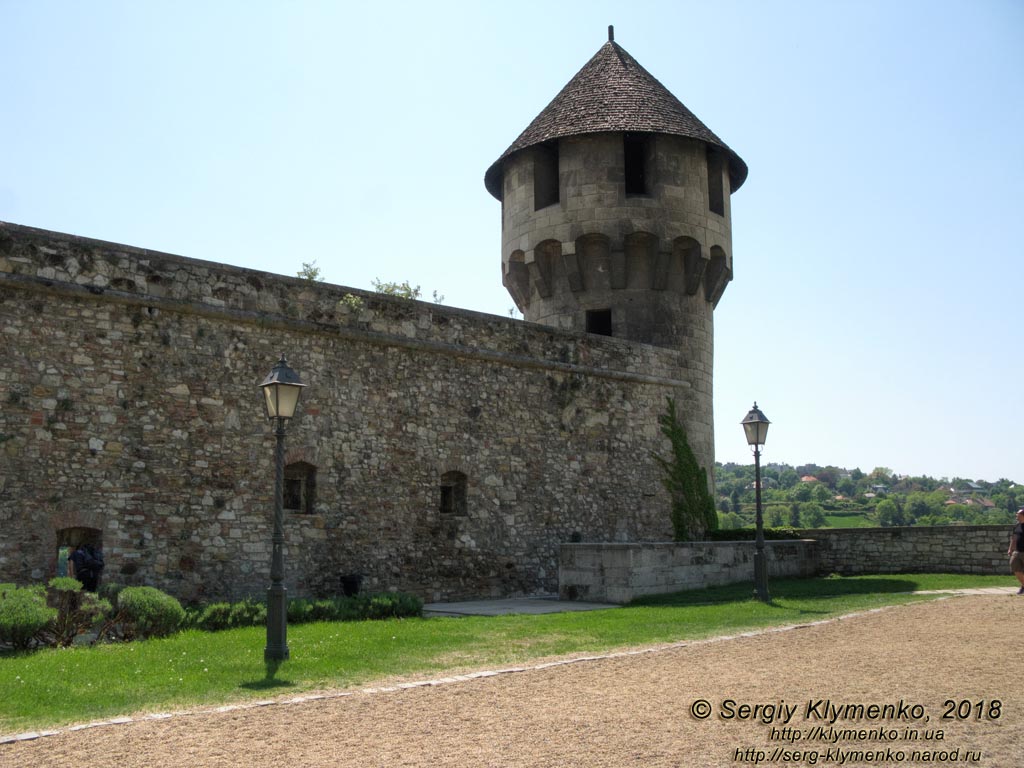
[635,152]
[599,321]
[545,175]
[716,189]
[453,494]
[300,488]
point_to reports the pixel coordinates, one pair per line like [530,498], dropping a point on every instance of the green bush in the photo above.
[384,605]
[109,591]
[300,611]
[148,612]
[389,605]
[248,613]
[214,617]
[78,611]
[24,615]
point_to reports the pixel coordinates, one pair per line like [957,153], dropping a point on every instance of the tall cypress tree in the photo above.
[693,507]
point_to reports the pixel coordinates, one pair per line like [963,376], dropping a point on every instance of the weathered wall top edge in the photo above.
[482,330]
[584,545]
[44,235]
[36,233]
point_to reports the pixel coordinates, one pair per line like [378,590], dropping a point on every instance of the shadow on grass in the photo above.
[781,589]
[269,680]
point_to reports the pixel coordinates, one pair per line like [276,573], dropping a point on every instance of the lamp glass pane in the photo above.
[756,431]
[750,428]
[287,400]
[270,395]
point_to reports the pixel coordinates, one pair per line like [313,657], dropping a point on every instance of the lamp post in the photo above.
[756,427]
[281,390]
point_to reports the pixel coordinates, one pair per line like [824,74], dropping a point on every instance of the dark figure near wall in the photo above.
[86,565]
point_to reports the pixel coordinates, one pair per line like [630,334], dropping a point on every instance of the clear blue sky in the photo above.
[877,304]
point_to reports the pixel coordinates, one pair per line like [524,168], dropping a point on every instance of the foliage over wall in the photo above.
[693,507]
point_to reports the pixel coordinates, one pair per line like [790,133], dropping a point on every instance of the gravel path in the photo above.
[635,710]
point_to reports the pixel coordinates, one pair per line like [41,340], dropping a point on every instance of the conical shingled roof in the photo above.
[613,93]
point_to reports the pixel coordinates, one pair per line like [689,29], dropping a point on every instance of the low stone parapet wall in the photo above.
[936,549]
[618,573]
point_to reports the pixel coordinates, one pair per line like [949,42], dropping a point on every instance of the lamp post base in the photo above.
[761,576]
[277,625]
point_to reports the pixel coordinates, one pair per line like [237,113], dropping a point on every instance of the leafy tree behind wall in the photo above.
[693,507]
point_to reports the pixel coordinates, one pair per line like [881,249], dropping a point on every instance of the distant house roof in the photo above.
[809,479]
[987,503]
[613,93]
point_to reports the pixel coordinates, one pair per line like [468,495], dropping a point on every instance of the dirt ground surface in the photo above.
[638,710]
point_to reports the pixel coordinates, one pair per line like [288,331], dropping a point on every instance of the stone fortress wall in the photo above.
[437,450]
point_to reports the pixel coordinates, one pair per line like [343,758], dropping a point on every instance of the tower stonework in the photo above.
[616,220]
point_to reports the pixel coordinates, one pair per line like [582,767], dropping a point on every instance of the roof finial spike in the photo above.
[611,34]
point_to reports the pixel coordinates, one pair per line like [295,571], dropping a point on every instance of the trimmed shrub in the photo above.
[384,605]
[248,613]
[214,617]
[77,611]
[393,605]
[300,611]
[109,591]
[24,616]
[148,612]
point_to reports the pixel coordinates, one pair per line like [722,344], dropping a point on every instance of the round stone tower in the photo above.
[616,218]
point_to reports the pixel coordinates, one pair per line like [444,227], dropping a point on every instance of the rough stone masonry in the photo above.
[130,411]
[438,451]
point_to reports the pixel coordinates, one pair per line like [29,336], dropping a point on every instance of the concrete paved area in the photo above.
[502,607]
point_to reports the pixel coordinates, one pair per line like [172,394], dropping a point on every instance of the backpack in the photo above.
[93,561]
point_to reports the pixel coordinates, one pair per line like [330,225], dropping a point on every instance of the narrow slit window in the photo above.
[599,321]
[716,189]
[635,146]
[545,175]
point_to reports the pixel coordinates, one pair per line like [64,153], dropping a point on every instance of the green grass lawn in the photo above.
[53,687]
[857,520]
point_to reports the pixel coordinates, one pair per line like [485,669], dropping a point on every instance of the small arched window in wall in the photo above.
[453,494]
[545,175]
[636,153]
[300,488]
[716,187]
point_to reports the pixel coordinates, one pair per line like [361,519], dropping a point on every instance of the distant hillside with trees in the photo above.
[812,496]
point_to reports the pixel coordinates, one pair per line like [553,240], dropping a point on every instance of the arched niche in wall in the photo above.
[300,488]
[453,494]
